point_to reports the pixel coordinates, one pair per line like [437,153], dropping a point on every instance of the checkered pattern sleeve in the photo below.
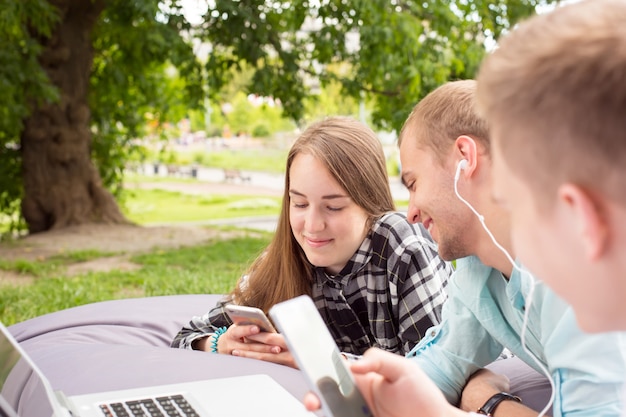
[202,326]
[417,278]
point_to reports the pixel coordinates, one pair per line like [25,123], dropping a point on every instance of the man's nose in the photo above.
[413,214]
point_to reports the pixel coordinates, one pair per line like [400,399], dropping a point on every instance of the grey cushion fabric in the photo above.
[532,387]
[121,344]
[150,321]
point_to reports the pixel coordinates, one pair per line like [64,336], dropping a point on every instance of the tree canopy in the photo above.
[81,78]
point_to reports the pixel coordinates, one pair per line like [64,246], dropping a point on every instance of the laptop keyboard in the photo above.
[170,406]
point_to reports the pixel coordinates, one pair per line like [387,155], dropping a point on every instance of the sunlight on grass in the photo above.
[271,160]
[212,268]
[159,206]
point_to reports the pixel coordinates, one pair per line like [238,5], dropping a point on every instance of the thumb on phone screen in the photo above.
[350,405]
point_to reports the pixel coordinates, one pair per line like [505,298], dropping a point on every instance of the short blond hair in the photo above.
[443,115]
[554,93]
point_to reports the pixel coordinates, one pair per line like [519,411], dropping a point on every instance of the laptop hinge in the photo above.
[66,410]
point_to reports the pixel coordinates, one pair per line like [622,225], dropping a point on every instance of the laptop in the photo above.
[240,396]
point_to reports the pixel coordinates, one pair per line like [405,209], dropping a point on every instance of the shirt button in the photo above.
[433,333]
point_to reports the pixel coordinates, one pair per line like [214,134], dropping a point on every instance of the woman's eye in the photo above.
[299,205]
[335,208]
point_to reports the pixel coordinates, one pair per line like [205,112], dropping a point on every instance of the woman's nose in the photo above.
[313,221]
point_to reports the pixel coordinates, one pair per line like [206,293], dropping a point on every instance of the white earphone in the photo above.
[460,167]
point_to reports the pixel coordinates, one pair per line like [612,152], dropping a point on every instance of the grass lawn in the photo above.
[159,206]
[206,269]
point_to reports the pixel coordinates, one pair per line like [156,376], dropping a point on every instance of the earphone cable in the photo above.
[529,298]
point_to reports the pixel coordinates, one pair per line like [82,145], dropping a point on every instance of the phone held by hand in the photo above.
[317,355]
[244,315]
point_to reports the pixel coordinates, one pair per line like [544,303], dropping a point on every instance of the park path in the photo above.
[212,181]
[128,239]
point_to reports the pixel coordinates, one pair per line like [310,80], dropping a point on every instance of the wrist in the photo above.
[214,339]
[494,401]
[201,343]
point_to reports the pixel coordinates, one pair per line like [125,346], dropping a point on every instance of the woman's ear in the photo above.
[590,221]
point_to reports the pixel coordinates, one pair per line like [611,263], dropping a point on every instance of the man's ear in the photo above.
[466,148]
[589,217]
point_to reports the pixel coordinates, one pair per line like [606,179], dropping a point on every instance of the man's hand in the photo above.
[394,386]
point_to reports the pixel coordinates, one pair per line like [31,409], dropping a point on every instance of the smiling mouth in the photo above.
[427,224]
[316,243]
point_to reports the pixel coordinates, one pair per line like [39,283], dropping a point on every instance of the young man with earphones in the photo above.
[493,304]
[557,111]
[446,165]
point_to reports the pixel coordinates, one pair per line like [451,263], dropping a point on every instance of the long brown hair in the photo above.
[354,156]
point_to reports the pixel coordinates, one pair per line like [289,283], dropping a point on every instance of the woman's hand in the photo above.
[234,338]
[249,342]
[270,347]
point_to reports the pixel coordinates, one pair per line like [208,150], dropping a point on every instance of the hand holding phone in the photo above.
[243,315]
[317,355]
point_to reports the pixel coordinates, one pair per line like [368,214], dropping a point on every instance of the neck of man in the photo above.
[486,250]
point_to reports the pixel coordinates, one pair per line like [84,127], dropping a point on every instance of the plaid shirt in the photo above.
[389,293]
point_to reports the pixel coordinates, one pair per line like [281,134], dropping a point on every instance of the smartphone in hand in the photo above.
[249,315]
[318,356]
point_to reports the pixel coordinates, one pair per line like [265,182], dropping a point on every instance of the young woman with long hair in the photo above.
[376,279]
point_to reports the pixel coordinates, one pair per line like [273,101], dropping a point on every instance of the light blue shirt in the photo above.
[485,313]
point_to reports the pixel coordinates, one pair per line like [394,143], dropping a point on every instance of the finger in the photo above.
[250,346]
[274,339]
[283,358]
[389,365]
[311,402]
[238,331]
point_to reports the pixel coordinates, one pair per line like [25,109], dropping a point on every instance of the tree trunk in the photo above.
[62,187]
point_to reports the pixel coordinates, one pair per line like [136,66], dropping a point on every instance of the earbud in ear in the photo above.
[459,167]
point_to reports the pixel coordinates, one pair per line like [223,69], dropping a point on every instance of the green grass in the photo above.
[210,268]
[159,206]
[51,265]
[267,160]
[206,269]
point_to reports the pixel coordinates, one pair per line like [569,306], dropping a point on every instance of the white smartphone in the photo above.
[249,315]
[318,357]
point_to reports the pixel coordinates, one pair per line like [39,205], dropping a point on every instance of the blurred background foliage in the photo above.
[257,68]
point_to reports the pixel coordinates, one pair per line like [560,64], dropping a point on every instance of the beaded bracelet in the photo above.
[215,336]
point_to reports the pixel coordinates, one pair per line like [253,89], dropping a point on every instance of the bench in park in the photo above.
[233,174]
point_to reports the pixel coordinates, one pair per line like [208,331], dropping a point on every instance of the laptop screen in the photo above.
[18,376]
[9,356]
